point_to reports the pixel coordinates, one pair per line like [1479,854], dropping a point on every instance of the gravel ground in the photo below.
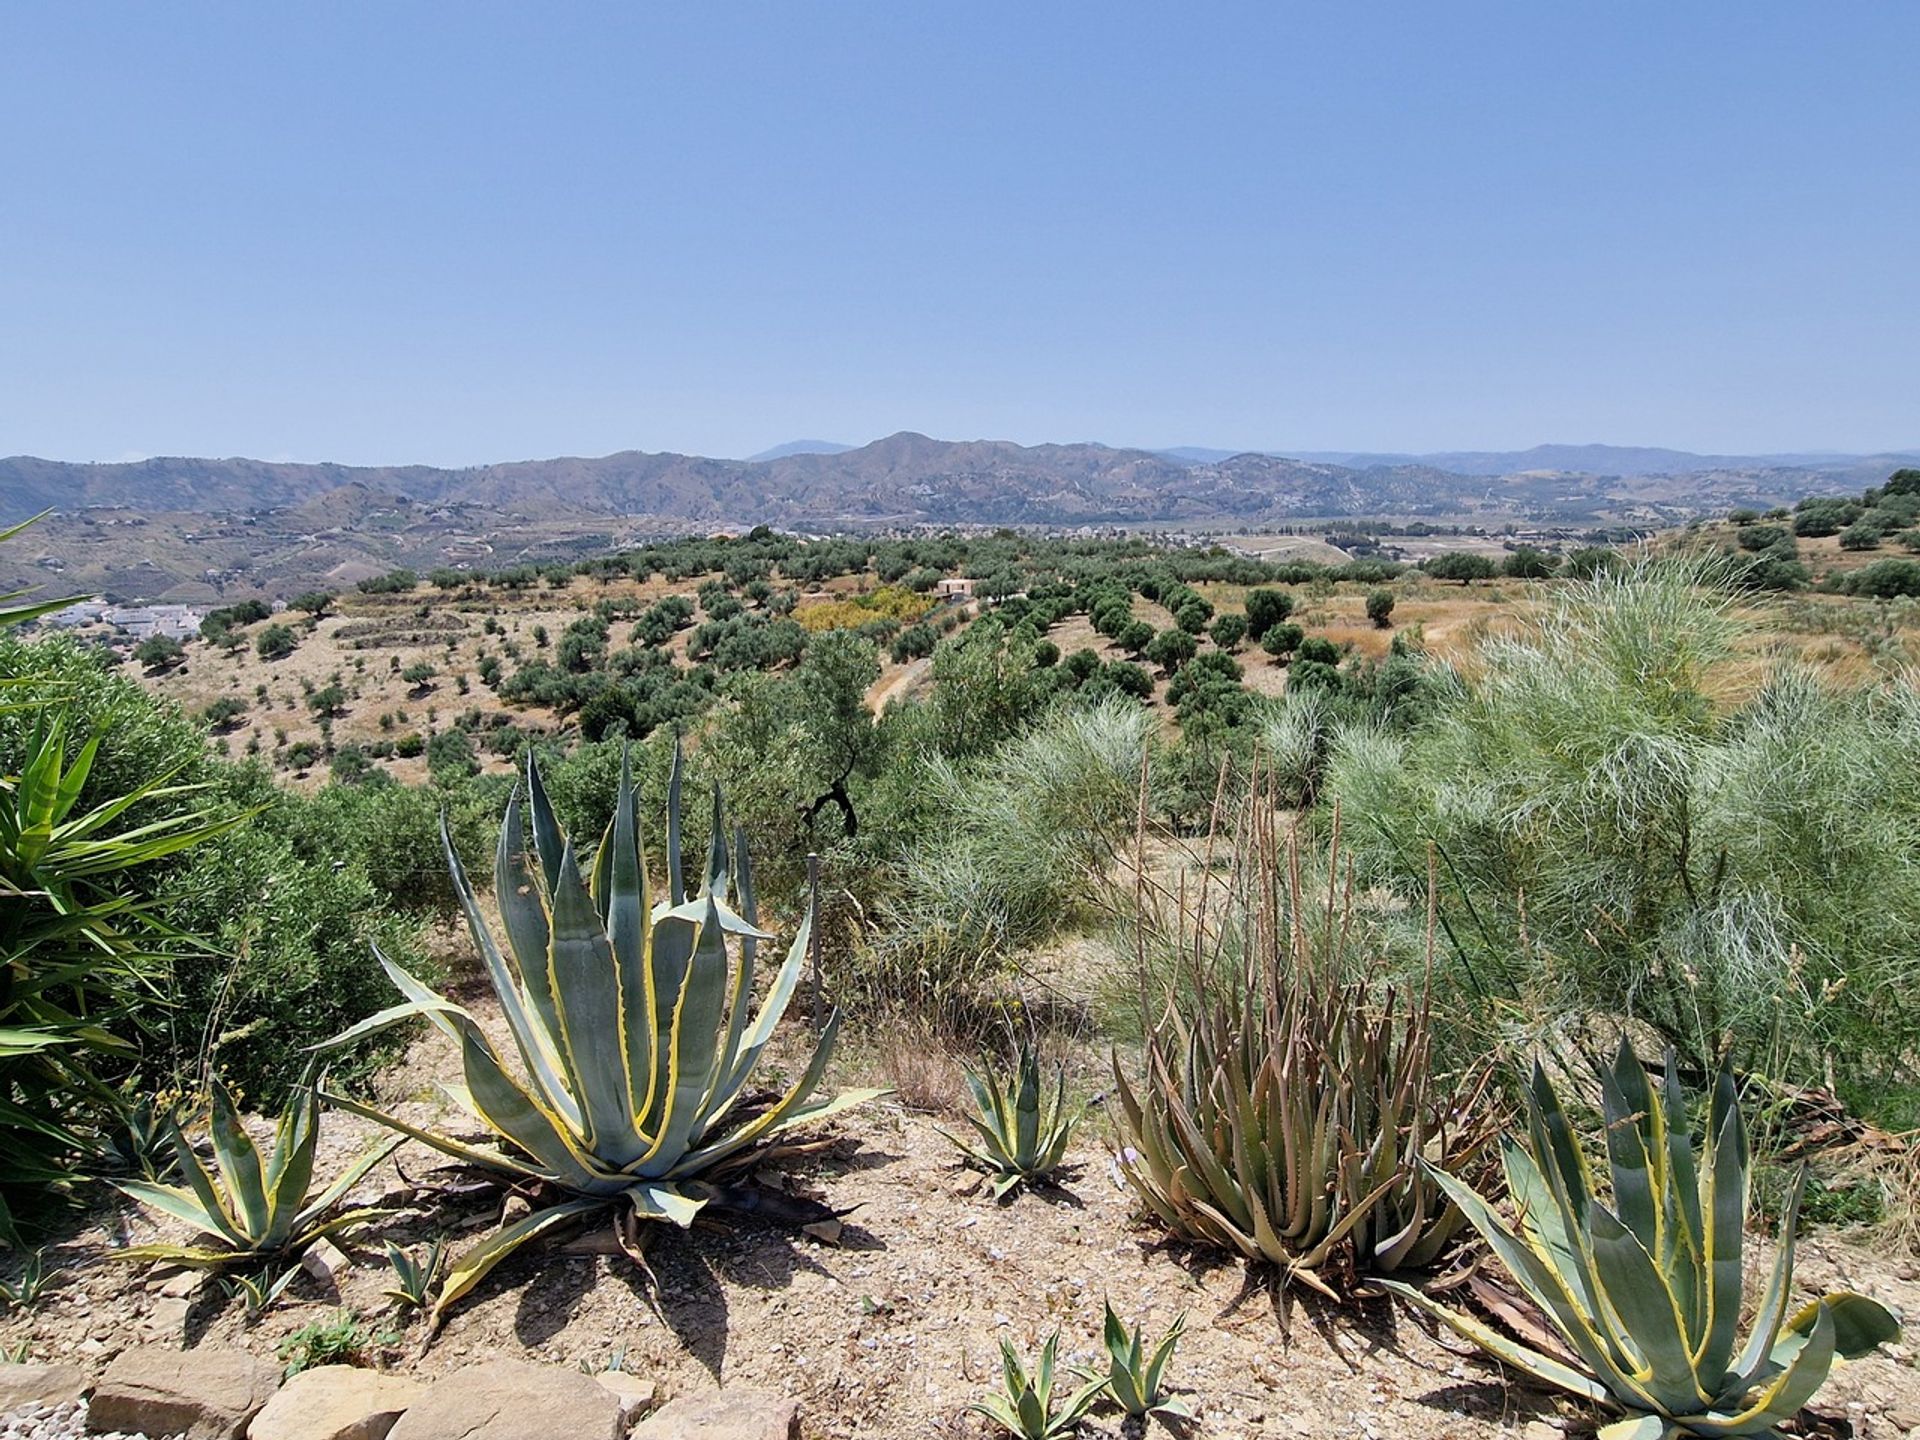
[52,1422]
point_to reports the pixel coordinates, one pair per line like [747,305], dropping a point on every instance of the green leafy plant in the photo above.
[1133,1380]
[1024,1404]
[12,614]
[630,1019]
[1646,1289]
[254,1207]
[77,944]
[1022,1140]
[413,1280]
[34,1279]
[1287,1105]
[259,1289]
[343,1339]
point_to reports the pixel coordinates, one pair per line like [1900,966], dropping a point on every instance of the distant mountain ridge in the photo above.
[911,478]
[199,530]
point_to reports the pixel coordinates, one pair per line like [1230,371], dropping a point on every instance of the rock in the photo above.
[336,1402]
[724,1415]
[512,1400]
[326,1262]
[169,1314]
[24,1385]
[207,1394]
[181,1284]
[1540,1430]
[635,1395]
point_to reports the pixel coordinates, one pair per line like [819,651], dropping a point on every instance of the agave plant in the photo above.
[1134,1380]
[254,1208]
[1024,1405]
[1285,1108]
[413,1280]
[630,1023]
[1021,1141]
[1647,1291]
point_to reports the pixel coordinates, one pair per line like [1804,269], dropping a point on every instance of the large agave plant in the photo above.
[252,1208]
[1285,1108]
[631,1024]
[1646,1288]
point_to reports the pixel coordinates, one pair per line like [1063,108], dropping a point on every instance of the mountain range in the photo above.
[909,478]
[150,527]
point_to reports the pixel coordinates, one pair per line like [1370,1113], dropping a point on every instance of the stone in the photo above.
[169,1314]
[636,1395]
[24,1385]
[336,1402]
[207,1394]
[724,1415]
[326,1262]
[512,1400]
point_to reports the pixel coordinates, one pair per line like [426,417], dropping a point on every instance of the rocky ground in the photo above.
[892,1330]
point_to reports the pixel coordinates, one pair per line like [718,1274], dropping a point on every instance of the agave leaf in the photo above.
[193,1257]
[1637,1427]
[1636,1293]
[1756,1361]
[475,1155]
[510,1111]
[1725,1204]
[1548,1289]
[1510,1352]
[200,1180]
[474,1266]
[177,1201]
[517,888]
[586,984]
[239,1161]
[524,916]
[1787,1394]
[347,1179]
[695,1029]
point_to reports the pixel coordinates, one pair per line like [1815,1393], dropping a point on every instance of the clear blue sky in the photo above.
[466,232]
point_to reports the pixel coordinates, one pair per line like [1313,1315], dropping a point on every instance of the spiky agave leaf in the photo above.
[1022,1141]
[1646,1286]
[632,1024]
[253,1207]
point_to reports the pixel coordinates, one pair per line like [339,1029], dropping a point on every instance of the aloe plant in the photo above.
[1024,1405]
[1021,1140]
[1285,1107]
[1646,1287]
[630,1023]
[254,1208]
[1133,1379]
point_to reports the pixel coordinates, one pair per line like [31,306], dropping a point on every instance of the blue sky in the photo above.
[468,232]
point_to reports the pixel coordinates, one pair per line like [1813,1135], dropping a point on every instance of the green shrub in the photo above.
[276,642]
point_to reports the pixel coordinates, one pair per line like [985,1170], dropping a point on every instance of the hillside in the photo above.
[193,529]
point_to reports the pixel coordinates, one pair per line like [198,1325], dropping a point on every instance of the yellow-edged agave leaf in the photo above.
[257,1209]
[630,1019]
[1648,1291]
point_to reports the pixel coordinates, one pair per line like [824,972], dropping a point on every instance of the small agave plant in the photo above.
[1134,1379]
[1646,1291]
[631,1025]
[253,1208]
[1023,1407]
[1021,1139]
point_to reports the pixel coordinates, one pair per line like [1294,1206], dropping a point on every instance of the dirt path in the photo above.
[889,688]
